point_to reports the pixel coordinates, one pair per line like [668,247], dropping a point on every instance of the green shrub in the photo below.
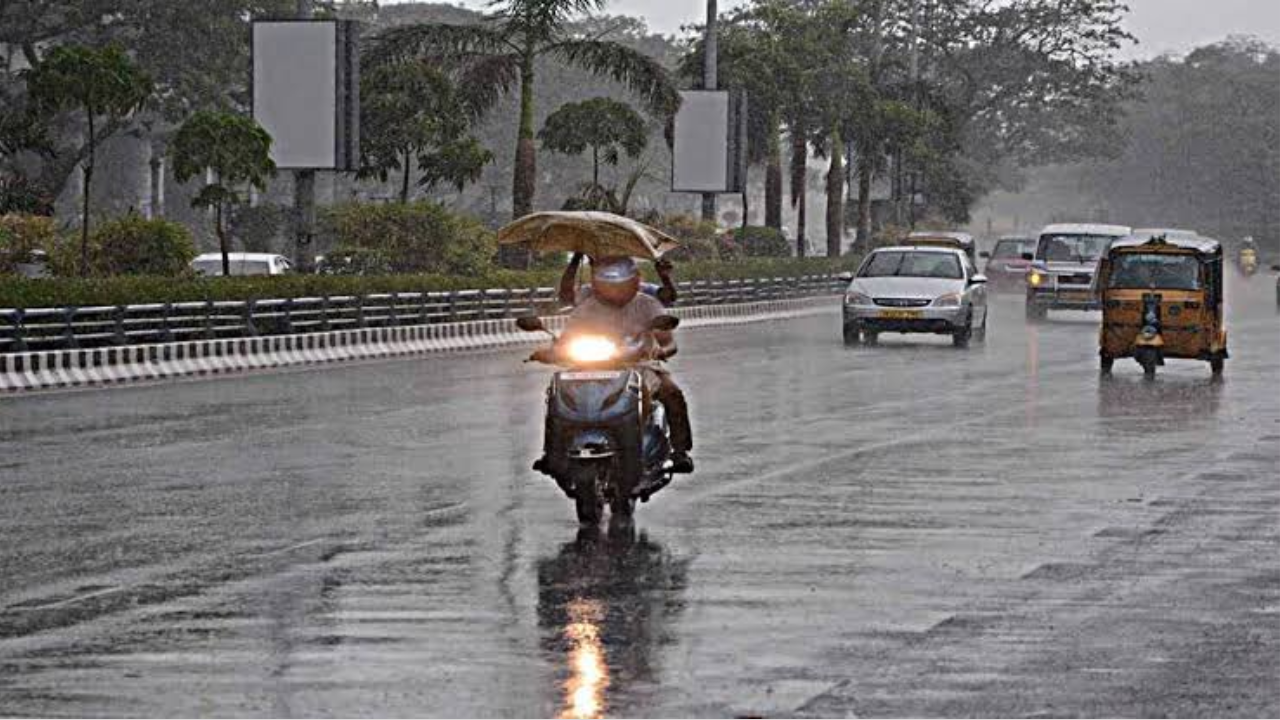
[58,292]
[18,195]
[355,261]
[20,235]
[419,237]
[134,245]
[259,228]
[762,241]
[698,238]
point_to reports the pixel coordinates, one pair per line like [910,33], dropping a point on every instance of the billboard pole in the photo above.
[304,194]
[710,82]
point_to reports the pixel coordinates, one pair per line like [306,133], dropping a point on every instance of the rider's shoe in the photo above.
[681,463]
[542,465]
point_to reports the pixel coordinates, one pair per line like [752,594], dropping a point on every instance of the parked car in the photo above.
[1063,267]
[916,290]
[242,263]
[1006,268]
[36,265]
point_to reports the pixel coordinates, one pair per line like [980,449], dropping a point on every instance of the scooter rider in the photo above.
[570,294]
[617,305]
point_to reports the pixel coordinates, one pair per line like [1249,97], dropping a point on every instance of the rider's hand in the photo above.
[543,355]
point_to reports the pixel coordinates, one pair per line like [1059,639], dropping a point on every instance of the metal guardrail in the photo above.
[69,328]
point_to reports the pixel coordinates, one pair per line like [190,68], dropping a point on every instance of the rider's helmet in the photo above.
[615,280]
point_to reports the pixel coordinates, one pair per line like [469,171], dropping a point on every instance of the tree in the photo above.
[503,51]
[105,85]
[194,51]
[235,150]
[413,111]
[606,127]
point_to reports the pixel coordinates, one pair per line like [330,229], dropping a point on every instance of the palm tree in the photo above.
[502,51]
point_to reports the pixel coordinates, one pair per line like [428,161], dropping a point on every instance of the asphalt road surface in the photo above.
[902,530]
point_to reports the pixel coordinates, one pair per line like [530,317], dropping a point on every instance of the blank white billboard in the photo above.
[296,91]
[700,156]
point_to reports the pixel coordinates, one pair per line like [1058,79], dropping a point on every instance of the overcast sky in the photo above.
[1161,25]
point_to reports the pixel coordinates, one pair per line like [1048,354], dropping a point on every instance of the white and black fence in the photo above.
[75,328]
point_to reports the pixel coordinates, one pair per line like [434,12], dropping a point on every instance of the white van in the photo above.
[242,263]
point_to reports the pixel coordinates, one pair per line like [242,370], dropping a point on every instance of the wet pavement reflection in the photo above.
[607,602]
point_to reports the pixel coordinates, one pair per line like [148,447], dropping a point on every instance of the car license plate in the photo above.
[901,314]
[588,375]
[1077,296]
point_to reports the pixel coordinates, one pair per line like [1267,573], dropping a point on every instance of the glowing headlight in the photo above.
[1035,279]
[948,300]
[857,298]
[1150,332]
[591,349]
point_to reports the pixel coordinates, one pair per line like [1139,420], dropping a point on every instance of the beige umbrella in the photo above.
[595,234]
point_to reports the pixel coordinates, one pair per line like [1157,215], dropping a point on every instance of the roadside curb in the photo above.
[33,371]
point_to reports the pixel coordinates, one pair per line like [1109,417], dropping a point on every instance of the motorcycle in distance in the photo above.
[607,438]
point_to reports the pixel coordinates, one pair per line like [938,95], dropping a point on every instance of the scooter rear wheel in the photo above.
[623,507]
[589,508]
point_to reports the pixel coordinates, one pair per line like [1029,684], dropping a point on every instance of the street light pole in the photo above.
[710,82]
[304,193]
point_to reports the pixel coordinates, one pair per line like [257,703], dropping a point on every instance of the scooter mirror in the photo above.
[665,323]
[1275,268]
[530,323]
[1028,256]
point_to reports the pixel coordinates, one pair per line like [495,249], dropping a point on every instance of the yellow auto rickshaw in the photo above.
[1162,298]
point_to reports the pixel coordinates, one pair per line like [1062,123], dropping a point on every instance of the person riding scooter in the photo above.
[570,294]
[617,306]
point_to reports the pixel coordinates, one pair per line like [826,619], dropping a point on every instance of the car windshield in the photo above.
[1150,272]
[1072,248]
[1011,249]
[913,264]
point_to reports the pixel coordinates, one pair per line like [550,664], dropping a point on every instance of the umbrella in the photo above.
[595,234]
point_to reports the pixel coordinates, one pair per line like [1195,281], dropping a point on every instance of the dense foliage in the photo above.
[1204,146]
[134,245]
[418,237]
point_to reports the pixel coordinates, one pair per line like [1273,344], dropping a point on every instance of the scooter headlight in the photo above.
[1036,279]
[1149,332]
[591,349]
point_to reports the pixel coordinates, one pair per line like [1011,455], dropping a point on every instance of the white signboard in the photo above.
[304,92]
[709,146]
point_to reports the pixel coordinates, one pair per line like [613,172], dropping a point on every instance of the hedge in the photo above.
[62,292]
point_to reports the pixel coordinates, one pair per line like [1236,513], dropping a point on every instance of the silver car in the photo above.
[916,290]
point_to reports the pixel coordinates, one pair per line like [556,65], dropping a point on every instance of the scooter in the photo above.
[607,439]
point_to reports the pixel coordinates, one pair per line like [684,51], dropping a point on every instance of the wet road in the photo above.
[901,530]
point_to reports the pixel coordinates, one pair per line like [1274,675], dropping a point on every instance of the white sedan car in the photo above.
[916,290]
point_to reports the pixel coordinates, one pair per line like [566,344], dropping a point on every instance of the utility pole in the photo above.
[304,194]
[710,82]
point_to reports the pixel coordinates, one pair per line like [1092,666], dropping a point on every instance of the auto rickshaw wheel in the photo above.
[1149,361]
[1217,364]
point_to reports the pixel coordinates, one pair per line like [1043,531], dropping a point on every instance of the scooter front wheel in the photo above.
[589,508]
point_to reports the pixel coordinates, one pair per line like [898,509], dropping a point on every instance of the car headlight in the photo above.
[857,298]
[591,349]
[1035,278]
[948,300]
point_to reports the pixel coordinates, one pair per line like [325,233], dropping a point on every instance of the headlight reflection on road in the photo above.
[589,676]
